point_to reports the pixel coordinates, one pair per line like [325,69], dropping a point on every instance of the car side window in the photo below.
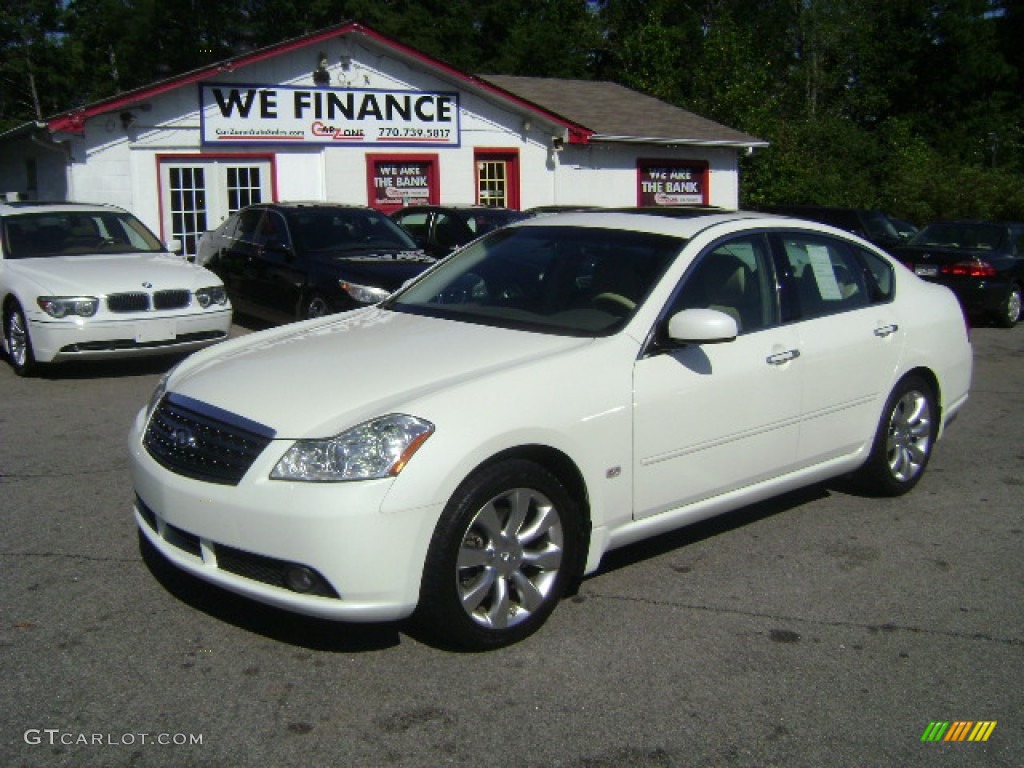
[415,224]
[448,230]
[878,276]
[734,277]
[827,276]
[248,225]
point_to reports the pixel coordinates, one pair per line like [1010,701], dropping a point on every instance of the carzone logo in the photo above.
[958,730]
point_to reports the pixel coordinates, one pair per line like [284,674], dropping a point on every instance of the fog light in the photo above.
[299,578]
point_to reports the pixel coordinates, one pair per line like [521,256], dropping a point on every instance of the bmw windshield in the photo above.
[578,281]
[75,233]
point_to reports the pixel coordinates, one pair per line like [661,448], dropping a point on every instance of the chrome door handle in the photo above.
[886,330]
[780,358]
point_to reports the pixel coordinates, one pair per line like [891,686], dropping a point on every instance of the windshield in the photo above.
[953,234]
[482,220]
[341,229]
[578,281]
[75,233]
[879,226]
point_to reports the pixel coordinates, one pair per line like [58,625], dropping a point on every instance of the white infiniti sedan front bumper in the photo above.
[246,537]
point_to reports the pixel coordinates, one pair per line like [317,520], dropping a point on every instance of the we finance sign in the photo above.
[259,114]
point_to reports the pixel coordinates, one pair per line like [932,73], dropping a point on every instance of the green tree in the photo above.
[32,81]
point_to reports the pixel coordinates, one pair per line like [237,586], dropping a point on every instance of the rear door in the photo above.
[840,298]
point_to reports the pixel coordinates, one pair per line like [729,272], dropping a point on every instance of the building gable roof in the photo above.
[616,113]
[584,110]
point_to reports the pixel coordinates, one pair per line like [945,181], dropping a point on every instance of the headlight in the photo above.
[364,294]
[215,294]
[374,449]
[158,393]
[62,306]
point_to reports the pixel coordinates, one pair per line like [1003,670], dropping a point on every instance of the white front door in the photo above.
[197,194]
[712,418]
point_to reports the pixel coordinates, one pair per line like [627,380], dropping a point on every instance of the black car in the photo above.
[873,225]
[440,229]
[981,261]
[288,261]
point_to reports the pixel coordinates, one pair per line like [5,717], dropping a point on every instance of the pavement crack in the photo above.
[887,627]
[68,556]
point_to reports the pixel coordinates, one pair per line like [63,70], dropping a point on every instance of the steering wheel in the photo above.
[616,298]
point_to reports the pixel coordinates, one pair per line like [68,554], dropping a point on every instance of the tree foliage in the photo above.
[909,105]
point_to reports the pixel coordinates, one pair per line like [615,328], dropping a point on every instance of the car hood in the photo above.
[107,274]
[387,269]
[318,378]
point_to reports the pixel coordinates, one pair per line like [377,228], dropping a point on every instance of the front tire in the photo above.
[904,440]
[19,342]
[502,555]
[314,305]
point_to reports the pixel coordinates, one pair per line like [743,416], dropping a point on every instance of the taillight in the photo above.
[980,269]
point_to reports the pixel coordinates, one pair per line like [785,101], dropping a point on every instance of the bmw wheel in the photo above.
[19,343]
[501,557]
[904,439]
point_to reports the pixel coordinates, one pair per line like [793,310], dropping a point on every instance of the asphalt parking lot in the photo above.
[820,629]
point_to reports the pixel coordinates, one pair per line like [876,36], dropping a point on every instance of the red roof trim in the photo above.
[73,121]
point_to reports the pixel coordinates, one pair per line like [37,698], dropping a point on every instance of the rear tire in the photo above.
[19,342]
[903,441]
[1010,310]
[502,555]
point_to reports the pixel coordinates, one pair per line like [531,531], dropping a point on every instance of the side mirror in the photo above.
[702,326]
[174,246]
[278,246]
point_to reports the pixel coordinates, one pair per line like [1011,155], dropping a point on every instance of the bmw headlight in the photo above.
[364,294]
[374,449]
[215,294]
[62,306]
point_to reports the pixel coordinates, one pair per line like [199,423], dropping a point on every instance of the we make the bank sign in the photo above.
[260,114]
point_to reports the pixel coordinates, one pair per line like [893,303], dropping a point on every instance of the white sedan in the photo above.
[468,450]
[88,282]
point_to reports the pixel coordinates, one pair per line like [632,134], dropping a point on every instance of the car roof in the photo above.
[46,206]
[453,207]
[685,226]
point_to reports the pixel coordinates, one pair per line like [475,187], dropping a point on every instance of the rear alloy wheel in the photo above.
[501,556]
[315,305]
[1009,313]
[904,440]
[19,344]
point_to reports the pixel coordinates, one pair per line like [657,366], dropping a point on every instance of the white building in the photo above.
[348,115]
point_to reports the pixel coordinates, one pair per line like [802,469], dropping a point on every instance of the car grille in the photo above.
[113,345]
[199,441]
[128,302]
[171,299]
[139,301]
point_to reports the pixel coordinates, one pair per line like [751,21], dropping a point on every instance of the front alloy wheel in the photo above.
[315,306]
[19,344]
[501,556]
[904,440]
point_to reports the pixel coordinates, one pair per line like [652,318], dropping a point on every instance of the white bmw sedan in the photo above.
[90,281]
[467,450]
